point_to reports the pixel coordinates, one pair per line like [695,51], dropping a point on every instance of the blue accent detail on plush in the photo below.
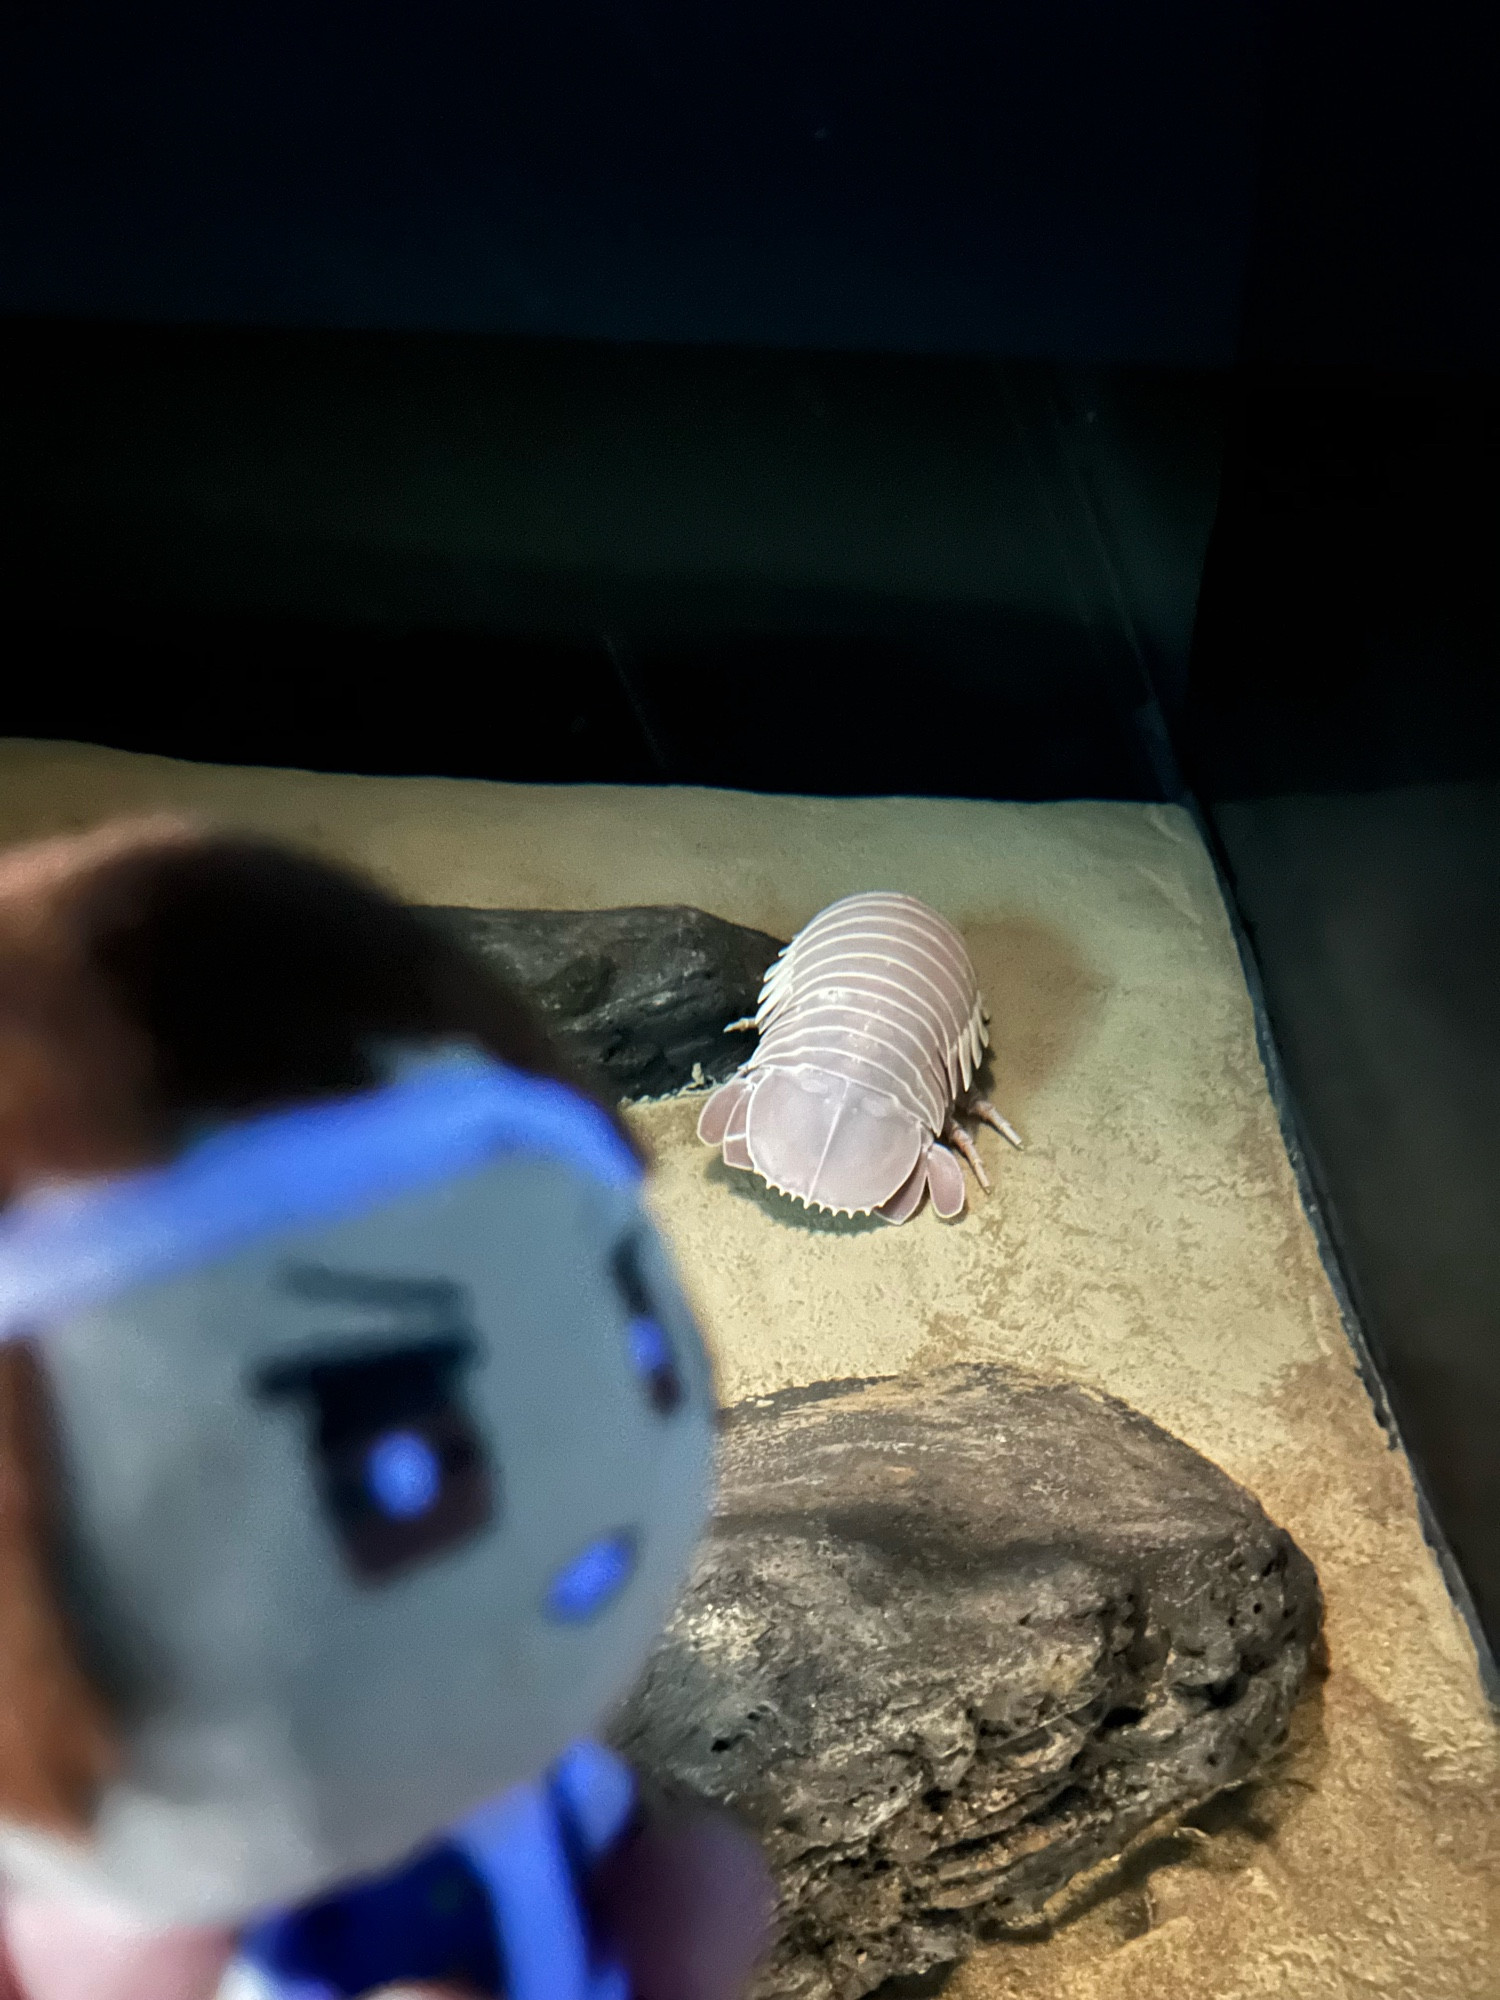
[431,1920]
[65,1250]
[592,1580]
[495,1905]
[650,1349]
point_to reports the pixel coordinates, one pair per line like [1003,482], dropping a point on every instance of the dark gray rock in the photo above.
[633,997]
[951,1643]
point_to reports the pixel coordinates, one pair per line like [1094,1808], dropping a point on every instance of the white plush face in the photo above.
[368,1524]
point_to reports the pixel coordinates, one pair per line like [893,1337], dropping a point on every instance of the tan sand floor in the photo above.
[1149,1241]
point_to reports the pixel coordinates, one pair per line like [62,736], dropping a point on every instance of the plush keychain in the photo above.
[354,1434]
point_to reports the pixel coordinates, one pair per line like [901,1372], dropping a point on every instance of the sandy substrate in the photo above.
[1149,1241]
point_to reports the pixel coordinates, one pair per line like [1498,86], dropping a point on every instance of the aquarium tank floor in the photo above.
[1151,1241]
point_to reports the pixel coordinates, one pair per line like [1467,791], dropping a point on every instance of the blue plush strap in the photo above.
[63,1251]
[527,1850]
[529,1846]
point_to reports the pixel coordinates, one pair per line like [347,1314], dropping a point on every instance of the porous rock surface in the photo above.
[951,1643]
[637,999]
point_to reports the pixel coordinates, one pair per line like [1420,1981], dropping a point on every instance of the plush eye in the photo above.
[404,1474]
[650,1349]
[399,1462]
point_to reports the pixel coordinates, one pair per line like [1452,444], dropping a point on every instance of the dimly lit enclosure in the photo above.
[636,475]
[604,564]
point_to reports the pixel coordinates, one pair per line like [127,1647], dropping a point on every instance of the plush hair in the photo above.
[155,975]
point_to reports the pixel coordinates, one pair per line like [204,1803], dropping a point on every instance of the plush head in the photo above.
[377,1430]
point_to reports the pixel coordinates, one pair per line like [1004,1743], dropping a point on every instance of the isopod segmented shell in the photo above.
[871,1030]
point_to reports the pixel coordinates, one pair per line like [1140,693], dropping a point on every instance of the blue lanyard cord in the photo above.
[62,1252]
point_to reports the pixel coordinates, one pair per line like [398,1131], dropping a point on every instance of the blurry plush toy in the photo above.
[354,1434]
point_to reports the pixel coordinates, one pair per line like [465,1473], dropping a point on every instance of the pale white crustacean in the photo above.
[871,1030]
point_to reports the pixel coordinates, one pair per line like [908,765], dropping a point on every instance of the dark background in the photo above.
[1023,401]
[1063,181]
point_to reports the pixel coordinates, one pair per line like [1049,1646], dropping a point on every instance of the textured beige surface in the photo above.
[1149,1241]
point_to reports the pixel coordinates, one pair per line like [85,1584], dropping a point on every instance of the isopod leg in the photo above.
[980,1107]
[954,1135]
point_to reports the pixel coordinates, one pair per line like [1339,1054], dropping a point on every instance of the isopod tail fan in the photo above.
[907,1199]
[945,1182]
[718,1114]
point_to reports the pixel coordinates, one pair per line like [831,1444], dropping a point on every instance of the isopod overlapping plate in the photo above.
[871,1031]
